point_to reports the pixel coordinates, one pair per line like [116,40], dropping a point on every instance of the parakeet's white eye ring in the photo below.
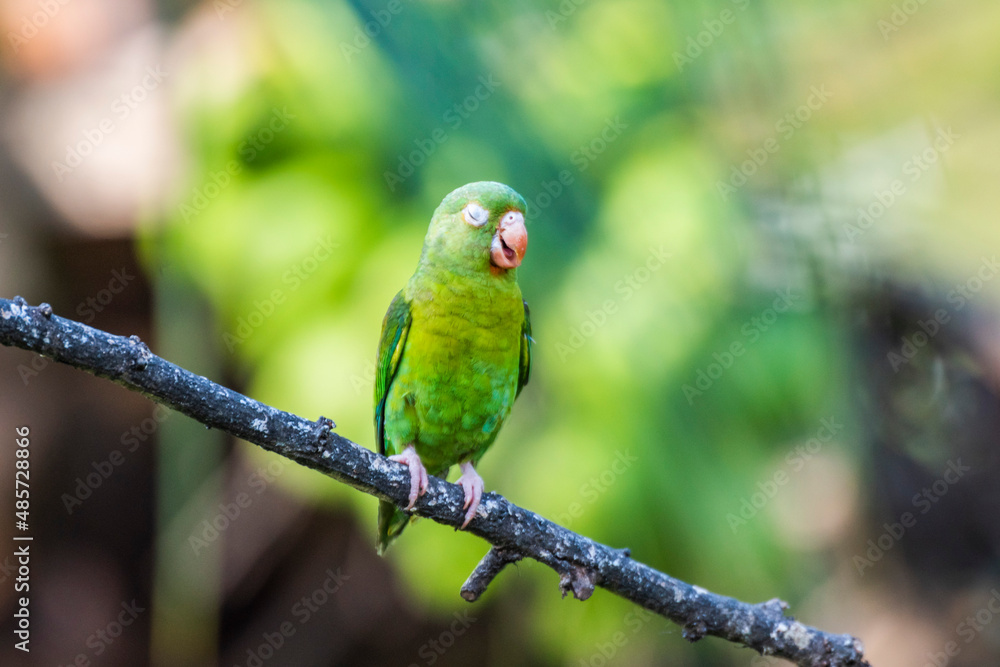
[475,215]
[512,217]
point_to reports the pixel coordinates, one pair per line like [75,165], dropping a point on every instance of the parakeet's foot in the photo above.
[472,484]
[418,473]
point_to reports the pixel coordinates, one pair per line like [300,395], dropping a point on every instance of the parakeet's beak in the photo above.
[510,241]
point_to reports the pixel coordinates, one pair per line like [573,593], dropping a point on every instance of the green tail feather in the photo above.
[391,522]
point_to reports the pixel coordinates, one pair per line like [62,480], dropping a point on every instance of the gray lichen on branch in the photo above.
[514,533]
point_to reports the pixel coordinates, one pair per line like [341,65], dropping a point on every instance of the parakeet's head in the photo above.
[478,227]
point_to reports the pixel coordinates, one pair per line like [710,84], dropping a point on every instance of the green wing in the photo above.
[525,366]
[395,327]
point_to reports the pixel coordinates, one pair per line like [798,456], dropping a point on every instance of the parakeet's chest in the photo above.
[466,333]
[458,377]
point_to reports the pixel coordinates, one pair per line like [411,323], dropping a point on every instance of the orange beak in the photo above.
[510,241]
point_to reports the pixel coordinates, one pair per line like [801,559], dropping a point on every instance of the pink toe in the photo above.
[418,475]
[472,485]
[413,494]
[471,513]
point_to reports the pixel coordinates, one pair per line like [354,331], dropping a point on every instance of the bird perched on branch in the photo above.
[455,349]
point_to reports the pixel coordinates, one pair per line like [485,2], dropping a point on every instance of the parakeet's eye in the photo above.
[475,215]
[511,218]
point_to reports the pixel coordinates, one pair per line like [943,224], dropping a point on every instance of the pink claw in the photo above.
[418,473]
[472,484]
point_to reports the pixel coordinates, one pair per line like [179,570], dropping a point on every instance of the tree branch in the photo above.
[514,532]
[489,567]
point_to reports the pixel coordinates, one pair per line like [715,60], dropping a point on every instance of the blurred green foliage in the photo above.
[318,154]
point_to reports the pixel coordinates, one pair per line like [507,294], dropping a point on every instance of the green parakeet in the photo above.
[455,349]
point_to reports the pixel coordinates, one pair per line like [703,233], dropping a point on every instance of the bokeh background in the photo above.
[761,276]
